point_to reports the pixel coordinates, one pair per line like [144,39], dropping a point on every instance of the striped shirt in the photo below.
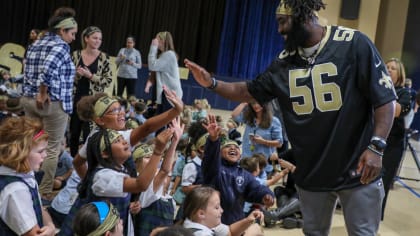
[48,62]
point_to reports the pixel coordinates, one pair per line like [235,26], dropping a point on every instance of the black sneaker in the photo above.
[292,223]
[270,217]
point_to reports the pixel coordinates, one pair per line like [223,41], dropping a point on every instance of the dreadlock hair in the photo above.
[94,158]
[304,10]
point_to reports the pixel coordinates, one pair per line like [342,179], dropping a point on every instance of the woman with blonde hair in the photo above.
[163,60]
[393,147]
[93,75]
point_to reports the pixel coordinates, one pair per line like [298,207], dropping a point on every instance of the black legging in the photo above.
[129,84]
[76,128]
[390,163]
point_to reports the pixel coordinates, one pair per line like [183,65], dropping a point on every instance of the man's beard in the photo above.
[296,37]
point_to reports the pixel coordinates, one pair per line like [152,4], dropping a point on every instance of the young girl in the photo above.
[157,207]
[107,113]
[107,178]
[203,212]
[22,150]
[98,218]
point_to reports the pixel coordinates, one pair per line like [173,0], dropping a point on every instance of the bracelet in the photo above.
[157,153]
[372,149]
[378,138]
[213,84]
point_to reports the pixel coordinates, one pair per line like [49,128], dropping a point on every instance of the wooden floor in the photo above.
[402,215]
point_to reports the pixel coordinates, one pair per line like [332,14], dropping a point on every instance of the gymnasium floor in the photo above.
[402,215]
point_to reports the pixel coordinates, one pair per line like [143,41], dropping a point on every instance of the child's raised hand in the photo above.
[162,139]
[178,127]
[174,99]
[212,127]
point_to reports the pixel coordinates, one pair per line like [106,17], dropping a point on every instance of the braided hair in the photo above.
[94,159]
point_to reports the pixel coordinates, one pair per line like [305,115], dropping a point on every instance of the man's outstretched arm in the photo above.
[235,91]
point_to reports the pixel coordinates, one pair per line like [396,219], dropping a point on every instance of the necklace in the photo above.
[312,51]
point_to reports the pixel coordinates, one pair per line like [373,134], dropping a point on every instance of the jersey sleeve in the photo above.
[373,78]
[266,86]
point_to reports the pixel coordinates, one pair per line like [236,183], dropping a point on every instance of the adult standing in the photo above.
[48,86]
[263,133]
[164,61]
[337,100]
[396,141]
[93,75]
[128,62]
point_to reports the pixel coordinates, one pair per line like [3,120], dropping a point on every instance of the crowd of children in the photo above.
[127,180]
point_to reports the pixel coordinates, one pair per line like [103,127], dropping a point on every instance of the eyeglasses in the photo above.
[115,111]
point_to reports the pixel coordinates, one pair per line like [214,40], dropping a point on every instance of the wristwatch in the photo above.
[379,143]
[213,84]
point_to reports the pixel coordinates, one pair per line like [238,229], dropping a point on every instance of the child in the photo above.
[140,108]
[253,166]
[106,177]
[64,168]
[199,111]
[107,113]
[233,133]
[236,185]
[202,211]
[98,218]
[132,100]
[176,188]
[22,150]
[158,208]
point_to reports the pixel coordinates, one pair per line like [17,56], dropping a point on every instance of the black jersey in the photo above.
[328,105]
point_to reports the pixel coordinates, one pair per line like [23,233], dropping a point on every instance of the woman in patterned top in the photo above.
[93,75]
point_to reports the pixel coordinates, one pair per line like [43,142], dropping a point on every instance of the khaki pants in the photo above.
[55,122]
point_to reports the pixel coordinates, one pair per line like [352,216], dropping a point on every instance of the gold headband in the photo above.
[142,151]
[282,9]
[66,23]
[229,142]
[109,223]
[112,136]
[102,105]
[201,141]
